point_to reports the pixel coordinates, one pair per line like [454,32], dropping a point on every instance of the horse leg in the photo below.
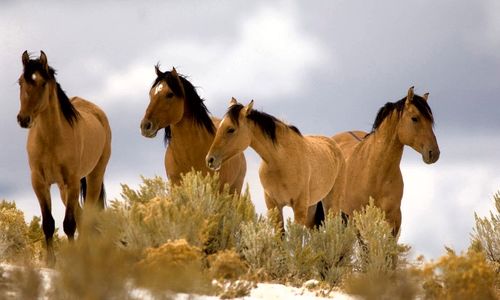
[396,224]
[95,181]
[72,207]
[333,201]
[300,211]
[42,191]
[271,204]
[311,221]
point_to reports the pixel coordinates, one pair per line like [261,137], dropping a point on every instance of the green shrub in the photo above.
[378,250]
[195,211]
[467,276]
[380,270]
[14,241]
[487,234]
[94,266]
[333,244]
[151,188]
[299,253]
[226,264]
[174,266]
[261,246]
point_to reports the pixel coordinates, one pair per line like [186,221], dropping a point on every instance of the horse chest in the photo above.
[276,185]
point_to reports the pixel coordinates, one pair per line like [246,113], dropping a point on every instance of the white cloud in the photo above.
[439,202]
[269,58]
[492,32]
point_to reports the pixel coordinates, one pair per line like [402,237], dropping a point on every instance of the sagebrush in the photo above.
[195,238]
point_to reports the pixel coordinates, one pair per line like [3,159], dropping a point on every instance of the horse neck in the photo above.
[385,149]
[190,137]
[273,153]
[51,119]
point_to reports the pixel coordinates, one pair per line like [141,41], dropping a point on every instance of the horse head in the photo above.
[415,127]
[166,106]
[35,85]
[233,136]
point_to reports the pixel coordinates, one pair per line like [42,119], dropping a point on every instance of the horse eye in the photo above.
[231,130]
[170,95]
[414,119]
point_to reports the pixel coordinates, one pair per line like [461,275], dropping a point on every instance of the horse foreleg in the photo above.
[271,204]
[42,191]
[300,212]
[333,201]
[72,208]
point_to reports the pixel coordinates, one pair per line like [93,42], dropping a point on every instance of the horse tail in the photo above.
[101,202]
[319,215]
[83,189]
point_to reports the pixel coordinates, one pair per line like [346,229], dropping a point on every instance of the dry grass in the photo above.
[466,276]
[180,239]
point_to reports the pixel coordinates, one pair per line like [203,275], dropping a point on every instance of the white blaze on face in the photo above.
[33,76]
[158,88]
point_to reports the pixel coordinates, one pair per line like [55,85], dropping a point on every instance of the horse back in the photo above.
[326,161]
[348,140]
[90,112]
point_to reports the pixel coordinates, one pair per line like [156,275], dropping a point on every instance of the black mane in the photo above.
[35,66]
[386,110]
[194,102]
[266,122]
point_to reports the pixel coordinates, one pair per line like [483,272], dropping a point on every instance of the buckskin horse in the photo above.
[296,170]
[372,159]
[189,130]
[69,144]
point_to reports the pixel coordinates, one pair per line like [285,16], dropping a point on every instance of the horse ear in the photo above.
[248,108]
[174,72]
[44,61]
[409,97]
[157,70]
[25,58]
[178,78]
[233,101]
[426,96]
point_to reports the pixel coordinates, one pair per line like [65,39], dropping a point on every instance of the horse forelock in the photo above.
[234,113]
[195,104]
[35,66]
[390,107]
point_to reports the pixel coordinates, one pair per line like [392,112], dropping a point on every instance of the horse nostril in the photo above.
[147,125]
[24,122]
[210,160]
[430,154]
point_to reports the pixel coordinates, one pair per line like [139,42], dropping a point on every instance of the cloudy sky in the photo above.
[324,66]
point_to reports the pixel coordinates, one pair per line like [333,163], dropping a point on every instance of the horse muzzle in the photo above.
[213,162]
[24,121]
[431,156]
[148,129]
